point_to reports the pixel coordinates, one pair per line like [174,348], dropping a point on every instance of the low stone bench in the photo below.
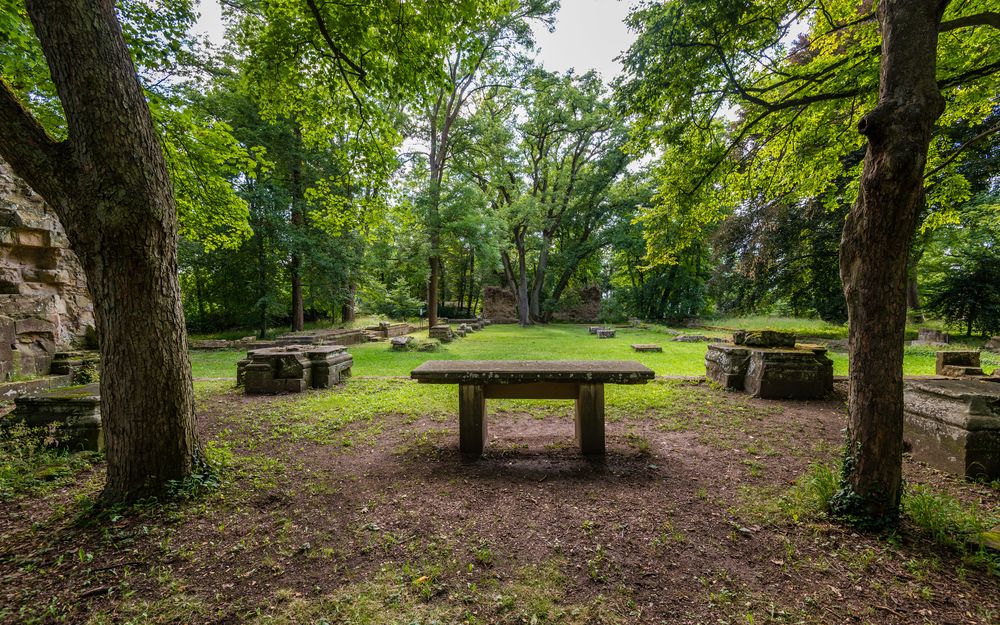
[579,380]
[606,333]
[954,425]
[76,410]
[293,369]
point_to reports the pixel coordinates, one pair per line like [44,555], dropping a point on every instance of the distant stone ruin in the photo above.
[442,332]
[499,305]
[770,365]
[44,303]
[931,337]
[957,364]
[293,369]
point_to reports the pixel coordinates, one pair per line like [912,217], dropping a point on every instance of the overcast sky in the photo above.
[589,35]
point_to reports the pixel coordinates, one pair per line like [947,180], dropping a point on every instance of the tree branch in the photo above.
[976,139]
[986,18]
[321,24]
[34,155]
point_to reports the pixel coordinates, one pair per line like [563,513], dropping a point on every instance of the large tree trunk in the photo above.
[538,286]
[874,250]
[109,185]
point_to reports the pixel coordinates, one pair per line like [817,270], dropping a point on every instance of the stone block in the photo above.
[330,364]
[76,411]
[690,338]
[957,363]
[292,369]
[788,374]
[763,338]
[442,333]
[400,343]
[954,425]
[646,347]
[593,329]
[726,364]
[34,325]
[606,333]
[933,337]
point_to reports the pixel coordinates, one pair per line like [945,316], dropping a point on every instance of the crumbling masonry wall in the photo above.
[44,303]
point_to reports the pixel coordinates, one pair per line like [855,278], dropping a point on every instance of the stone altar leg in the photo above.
[590,419]
[471,419]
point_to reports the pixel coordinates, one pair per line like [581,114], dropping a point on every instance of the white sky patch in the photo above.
[589,34]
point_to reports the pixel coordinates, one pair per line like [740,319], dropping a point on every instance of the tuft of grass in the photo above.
[949,522]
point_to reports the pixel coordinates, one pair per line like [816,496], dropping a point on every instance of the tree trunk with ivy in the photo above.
[109,185]
[873,258]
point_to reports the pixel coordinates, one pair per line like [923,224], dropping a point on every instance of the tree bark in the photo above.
[347,310]
[110,187]
[432,293]
[874,250]
[298,221]
[523,316]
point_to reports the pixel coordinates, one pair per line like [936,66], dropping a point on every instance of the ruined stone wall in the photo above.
[499,305]
[582,307]
[44,303]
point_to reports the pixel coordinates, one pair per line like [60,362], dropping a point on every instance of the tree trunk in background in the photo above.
[261,285]
[538,285]
[347,310]
[472,282]
[873,257]
[523,316]
[298,221]
[110,187]
[432,293]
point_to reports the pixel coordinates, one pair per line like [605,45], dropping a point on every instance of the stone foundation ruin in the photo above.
[954,425]
[293,369]
[958,364]
[74,411]
[770,365]
[44,303]
[929,336]
[500,306]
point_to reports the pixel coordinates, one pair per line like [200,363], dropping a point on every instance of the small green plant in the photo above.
[86,373]
[595,565]
[483,555]
[811,495]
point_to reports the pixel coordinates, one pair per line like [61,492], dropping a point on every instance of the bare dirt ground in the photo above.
[382,521]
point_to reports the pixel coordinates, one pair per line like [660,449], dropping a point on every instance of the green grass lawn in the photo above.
[553,342]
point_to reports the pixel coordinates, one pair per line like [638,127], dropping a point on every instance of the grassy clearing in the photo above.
[559,342]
